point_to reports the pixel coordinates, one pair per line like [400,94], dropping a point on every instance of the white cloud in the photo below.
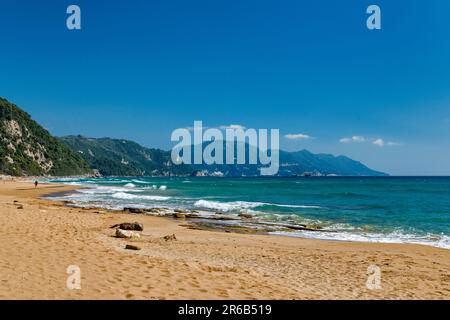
[358,139]
[297,136]
[353,139]
[379,142]
[233,126]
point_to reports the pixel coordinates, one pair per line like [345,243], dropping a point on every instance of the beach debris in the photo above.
[127,234]
[180,216]
[135,210]
[170,237]
[136,226]
[19,206]
[245,215]
[132,247]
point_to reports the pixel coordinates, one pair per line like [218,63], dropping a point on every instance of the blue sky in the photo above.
[140,69]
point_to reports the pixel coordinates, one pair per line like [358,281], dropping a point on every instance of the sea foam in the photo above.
[239,205]
[129,196]
[441,241]
[130,185]
[226,206]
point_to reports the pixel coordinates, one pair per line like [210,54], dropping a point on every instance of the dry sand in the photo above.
[41,240]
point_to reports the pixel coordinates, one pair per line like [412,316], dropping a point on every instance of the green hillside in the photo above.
[119,157]
[26,148]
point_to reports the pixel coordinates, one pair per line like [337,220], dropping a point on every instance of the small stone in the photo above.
[132,247]
[170,237]
[127,234]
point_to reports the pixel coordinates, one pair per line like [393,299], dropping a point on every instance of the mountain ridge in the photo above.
[26,148]
[122,157]
[301,162]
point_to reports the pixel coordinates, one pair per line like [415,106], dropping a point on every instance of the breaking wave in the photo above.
[129,196]
[239,205]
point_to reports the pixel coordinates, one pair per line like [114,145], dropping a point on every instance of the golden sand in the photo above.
[41,239]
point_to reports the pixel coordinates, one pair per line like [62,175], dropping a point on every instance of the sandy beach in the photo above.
[41,239]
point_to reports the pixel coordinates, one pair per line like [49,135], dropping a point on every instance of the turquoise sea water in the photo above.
[385,209]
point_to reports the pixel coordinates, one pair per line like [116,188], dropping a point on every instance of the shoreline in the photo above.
[218,220]
[45,237]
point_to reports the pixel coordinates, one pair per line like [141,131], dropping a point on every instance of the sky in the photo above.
[141,69]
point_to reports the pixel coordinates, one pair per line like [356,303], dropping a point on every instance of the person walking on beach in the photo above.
[36,184]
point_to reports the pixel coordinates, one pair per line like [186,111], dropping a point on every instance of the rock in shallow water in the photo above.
[180,216]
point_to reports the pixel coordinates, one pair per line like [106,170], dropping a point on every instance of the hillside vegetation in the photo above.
[26,148]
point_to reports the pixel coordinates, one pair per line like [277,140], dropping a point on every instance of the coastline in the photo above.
[347,214]
[44,237]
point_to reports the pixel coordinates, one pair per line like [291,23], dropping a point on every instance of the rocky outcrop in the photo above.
[135,210]
[178,215]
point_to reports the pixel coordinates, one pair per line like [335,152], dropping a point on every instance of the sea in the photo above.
[365,209]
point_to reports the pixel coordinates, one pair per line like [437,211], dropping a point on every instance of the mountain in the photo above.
[119,157]
[296,163]
[26,148]
[122,157]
